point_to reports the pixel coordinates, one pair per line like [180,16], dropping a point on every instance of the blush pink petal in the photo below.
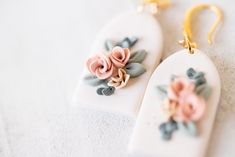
[120,56]
[100,65]
[118,53]
[92,63]
[104,75]
[127,54]
[191,107]
[178,86]
[117,63]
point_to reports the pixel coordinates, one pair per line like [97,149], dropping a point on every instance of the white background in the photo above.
[43,45]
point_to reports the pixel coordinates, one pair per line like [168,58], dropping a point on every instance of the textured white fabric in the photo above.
[43,45]
[4,145]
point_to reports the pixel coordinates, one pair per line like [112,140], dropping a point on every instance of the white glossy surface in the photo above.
[128,99]
[146,137]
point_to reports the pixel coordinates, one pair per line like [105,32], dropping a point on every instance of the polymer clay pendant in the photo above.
[180,103]
[122,60]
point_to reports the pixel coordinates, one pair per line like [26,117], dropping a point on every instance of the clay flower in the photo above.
[120,56]
[170,108]
[180,85]
[100,65]
[184,103]
[191,107]
[120,80]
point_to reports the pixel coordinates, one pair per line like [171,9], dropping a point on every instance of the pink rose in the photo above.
[179,85]
[120,56]
[100,65]
[191,107]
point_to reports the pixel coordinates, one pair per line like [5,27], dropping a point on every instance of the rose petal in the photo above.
[127,55]
[90,62]
[104,75]
[191,107]
[179,85]
[118,53]
[119,56]
[120,80]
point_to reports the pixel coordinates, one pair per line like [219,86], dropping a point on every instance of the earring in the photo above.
[123,58]
[180,102]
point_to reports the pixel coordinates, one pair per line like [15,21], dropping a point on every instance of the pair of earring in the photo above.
[182,93]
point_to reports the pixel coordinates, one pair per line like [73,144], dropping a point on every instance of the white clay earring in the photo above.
[180,103]
[125,54]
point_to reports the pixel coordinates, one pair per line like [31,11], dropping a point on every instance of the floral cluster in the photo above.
[184,102]
[114,69]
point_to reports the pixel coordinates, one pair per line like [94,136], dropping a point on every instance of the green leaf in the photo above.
[127,42]
[138,56]
[135,69]
[200,81]
[109,45]
[190,73]
[162,91]
[204,90]
[93,80]
[189,127]
[173,77]
[108,91]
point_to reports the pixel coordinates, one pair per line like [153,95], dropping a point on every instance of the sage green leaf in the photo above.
[109,45]
[200,81]
[99,91]
[108,91]
[173,77]
[190,73]
[138,56]
[135,69]
[162,91]
[204,90]
[127,42]
[199,75]
[93,80]
[189,127]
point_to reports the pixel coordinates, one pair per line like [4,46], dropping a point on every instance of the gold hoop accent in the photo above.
[187,42]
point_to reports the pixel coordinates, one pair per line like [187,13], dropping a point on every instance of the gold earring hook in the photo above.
[187,42]
[154,5]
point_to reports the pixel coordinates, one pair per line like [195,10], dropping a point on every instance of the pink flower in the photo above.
[170,108]
[120,56]
[100,65]
[191,107]
[179,85]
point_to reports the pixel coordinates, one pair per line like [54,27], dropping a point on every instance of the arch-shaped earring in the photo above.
[128,47]
[182,94]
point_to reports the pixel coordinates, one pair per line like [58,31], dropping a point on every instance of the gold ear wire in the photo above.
[187,42]
[154,4]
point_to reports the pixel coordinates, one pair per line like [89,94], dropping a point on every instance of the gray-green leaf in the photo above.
[127,42]
[200,81]
[93,80]
[138,56]
[162,91]
[135,69]
[189,127]
[204,90]
[191,72]
[109,45]
[108,91]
